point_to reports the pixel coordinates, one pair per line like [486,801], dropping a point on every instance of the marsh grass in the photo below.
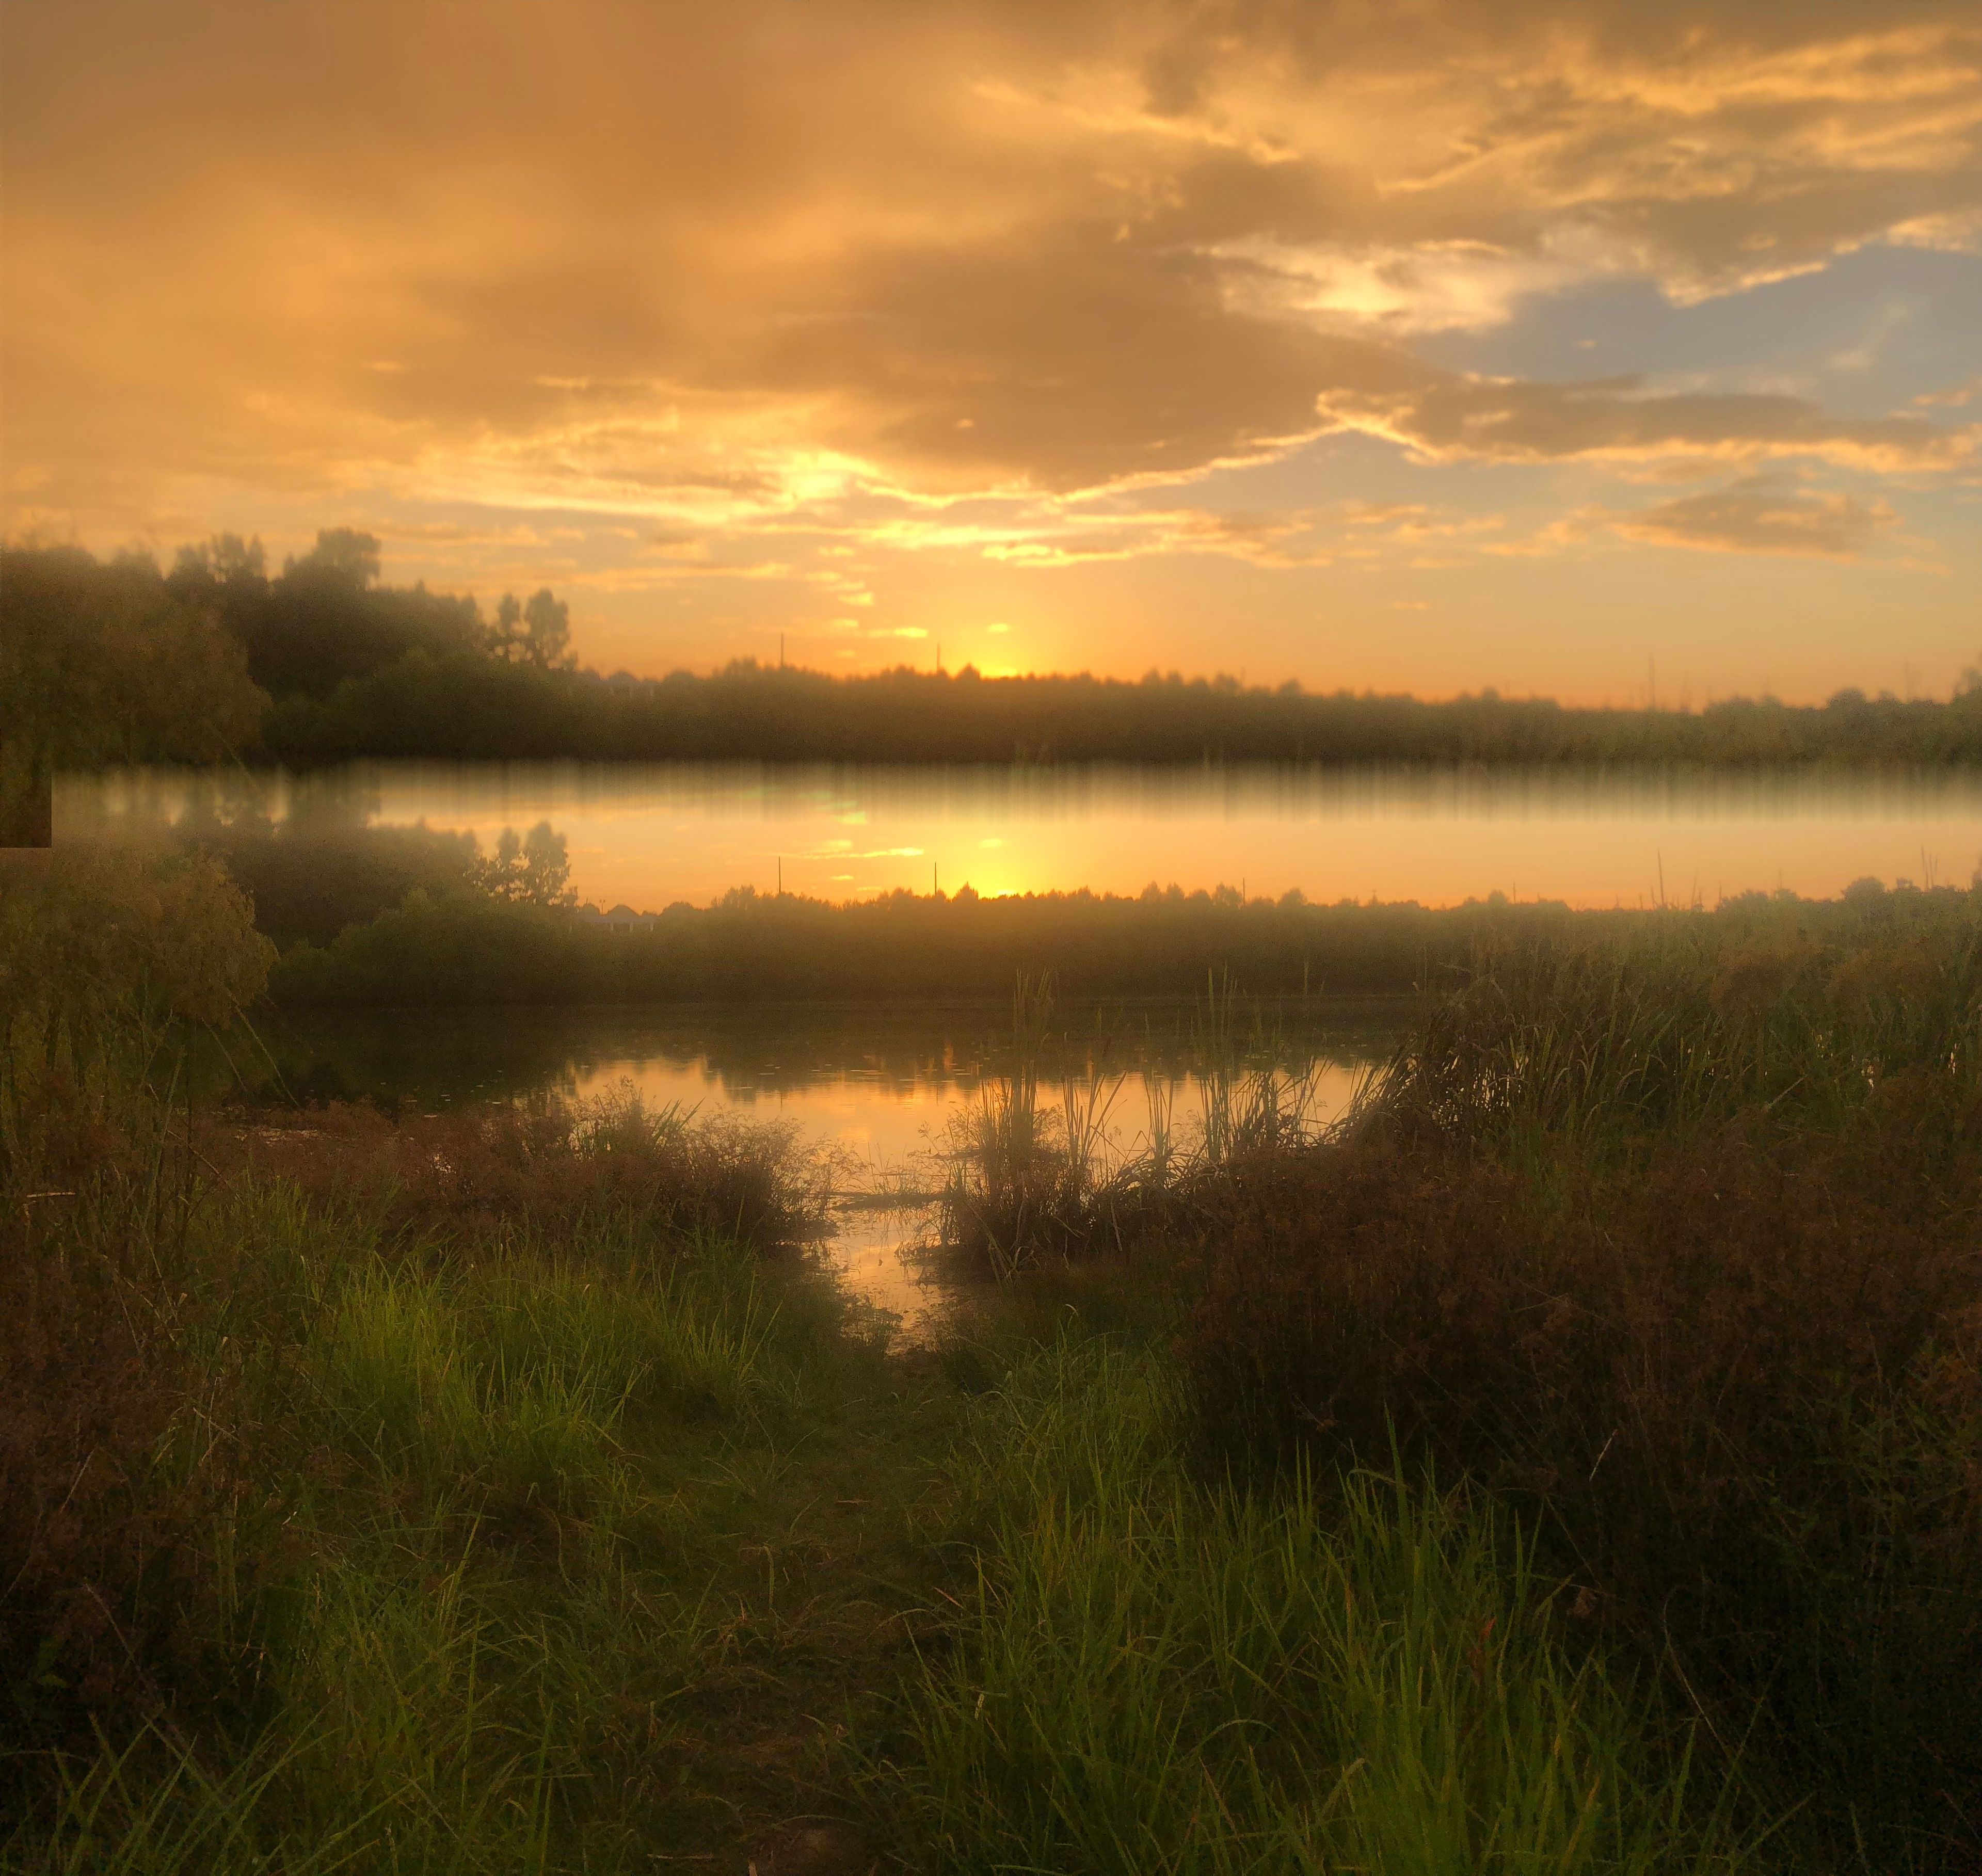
[1030,1181]
[506,1491]
[475,1598]
[426,1501]
[551,1163]
[1587,1042]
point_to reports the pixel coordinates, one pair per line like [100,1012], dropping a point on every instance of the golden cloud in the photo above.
[1450,415]
[716,265]
[1750,518]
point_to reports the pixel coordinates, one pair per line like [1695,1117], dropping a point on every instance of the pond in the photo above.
[648,834]
[878,1089]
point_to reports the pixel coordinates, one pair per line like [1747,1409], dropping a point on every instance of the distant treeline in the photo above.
[103,661]
[465,948]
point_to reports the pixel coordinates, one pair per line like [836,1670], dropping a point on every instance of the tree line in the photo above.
[121,660]
[441,948]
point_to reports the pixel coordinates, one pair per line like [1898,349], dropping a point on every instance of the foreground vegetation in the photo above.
[1569,1462]
[320,663]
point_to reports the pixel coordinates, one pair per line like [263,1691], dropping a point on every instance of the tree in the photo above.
[537,633]
[548,638]
[505,636]
[535,871]
[224,560]
[341,557]
[109,662]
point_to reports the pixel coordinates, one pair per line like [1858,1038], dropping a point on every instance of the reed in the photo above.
[1030,1181]
[1680,1023]
[1025,1180]
[1674,1245]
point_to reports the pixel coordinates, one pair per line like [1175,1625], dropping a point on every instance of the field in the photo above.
[1570,1461]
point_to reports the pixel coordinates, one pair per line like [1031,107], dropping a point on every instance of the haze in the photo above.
[1586,349]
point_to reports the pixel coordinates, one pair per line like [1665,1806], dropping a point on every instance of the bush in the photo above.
[1735,1365]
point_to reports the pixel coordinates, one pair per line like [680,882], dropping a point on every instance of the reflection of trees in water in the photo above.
[453,1056]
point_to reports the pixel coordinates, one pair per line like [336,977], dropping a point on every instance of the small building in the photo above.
[620,918]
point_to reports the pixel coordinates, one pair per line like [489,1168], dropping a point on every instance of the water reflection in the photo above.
[878,1083]
[878,1087]
[647,834]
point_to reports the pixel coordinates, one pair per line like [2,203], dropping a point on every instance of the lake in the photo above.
[647,834]
[880,1087]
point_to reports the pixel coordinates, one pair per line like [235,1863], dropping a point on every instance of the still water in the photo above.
[648,834]
[880,1089]
[877,1089]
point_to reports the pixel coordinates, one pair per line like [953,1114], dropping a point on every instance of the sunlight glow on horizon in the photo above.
[1104,339]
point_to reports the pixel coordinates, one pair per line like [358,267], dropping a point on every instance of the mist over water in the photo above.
[647,835]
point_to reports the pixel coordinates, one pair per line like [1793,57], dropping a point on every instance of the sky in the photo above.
[1594,348]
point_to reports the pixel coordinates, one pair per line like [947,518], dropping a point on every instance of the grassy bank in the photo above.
[442,948]
[1569,1464]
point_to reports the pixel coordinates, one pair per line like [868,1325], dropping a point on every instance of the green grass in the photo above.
[1150,1674]
[486,1512]
[560,1556]
[541,1559]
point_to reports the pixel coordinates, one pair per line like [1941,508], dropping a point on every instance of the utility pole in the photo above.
[781,651]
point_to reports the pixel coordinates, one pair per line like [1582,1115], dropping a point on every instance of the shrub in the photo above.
[1738,1370]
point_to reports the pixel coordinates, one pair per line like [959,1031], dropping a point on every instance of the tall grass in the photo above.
[1588,1040]
[1029,1180]
[1153,1675]
[1674,1244]
[347,1469]
[460,1598]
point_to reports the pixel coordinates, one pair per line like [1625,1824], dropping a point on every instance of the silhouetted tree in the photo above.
[547,638]
[108,662]
[505,636]
[535,871]
[537,633]
[341,557]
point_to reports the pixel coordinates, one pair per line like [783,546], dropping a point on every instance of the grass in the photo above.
[1157,1674]
[1568,1464]
[528,1568]
[1030,1180]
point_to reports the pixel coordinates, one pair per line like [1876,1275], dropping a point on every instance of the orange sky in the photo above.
[1561,347]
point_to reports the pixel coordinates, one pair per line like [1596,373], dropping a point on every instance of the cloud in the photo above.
[652,257]
[1954,397]
[1749,518]
[801,296]
[1448,416]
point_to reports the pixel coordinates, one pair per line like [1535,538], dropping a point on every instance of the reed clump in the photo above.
[550,1163]
[1032,1180]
